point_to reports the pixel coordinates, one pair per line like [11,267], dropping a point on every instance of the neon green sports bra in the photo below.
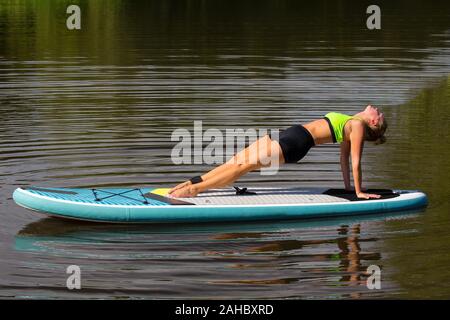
[337,122]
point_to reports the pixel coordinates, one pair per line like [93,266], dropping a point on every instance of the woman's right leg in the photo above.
[261,153]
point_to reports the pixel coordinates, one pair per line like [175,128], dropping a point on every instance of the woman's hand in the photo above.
[352,189]
[362,195]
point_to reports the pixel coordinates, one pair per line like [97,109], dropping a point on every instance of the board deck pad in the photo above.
[160,196]
[267,196]
[155,205]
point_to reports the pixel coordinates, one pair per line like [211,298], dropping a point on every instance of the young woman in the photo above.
[293,144]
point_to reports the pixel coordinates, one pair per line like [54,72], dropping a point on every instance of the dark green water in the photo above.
[96,107]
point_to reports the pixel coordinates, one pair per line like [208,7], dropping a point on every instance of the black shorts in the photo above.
[295,143]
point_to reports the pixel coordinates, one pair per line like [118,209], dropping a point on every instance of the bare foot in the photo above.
[179,186]
[185,192]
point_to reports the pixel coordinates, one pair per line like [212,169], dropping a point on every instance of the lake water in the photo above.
[96,107]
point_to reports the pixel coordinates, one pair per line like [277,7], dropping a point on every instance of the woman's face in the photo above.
[375,116]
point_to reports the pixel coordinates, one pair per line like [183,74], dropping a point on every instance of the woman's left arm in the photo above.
[356,148]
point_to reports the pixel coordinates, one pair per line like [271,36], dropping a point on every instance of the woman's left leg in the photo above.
[259,154]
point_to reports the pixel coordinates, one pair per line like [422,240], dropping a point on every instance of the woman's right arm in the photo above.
[345,167]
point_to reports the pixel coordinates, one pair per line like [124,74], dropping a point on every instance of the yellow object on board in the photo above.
[161,191]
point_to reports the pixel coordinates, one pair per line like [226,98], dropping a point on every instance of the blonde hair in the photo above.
[376,134]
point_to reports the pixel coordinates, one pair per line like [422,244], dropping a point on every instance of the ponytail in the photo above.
[376,134]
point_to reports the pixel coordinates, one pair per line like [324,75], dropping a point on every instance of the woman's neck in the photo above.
[363,116]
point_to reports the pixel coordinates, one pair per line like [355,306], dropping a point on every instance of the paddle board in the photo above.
[153,205]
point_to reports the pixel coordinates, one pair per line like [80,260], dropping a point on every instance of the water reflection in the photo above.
[306,256]
[352,262]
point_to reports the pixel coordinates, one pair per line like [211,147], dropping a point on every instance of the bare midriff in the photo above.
[320,131]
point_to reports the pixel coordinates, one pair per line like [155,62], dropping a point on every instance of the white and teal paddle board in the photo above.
[153,205]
